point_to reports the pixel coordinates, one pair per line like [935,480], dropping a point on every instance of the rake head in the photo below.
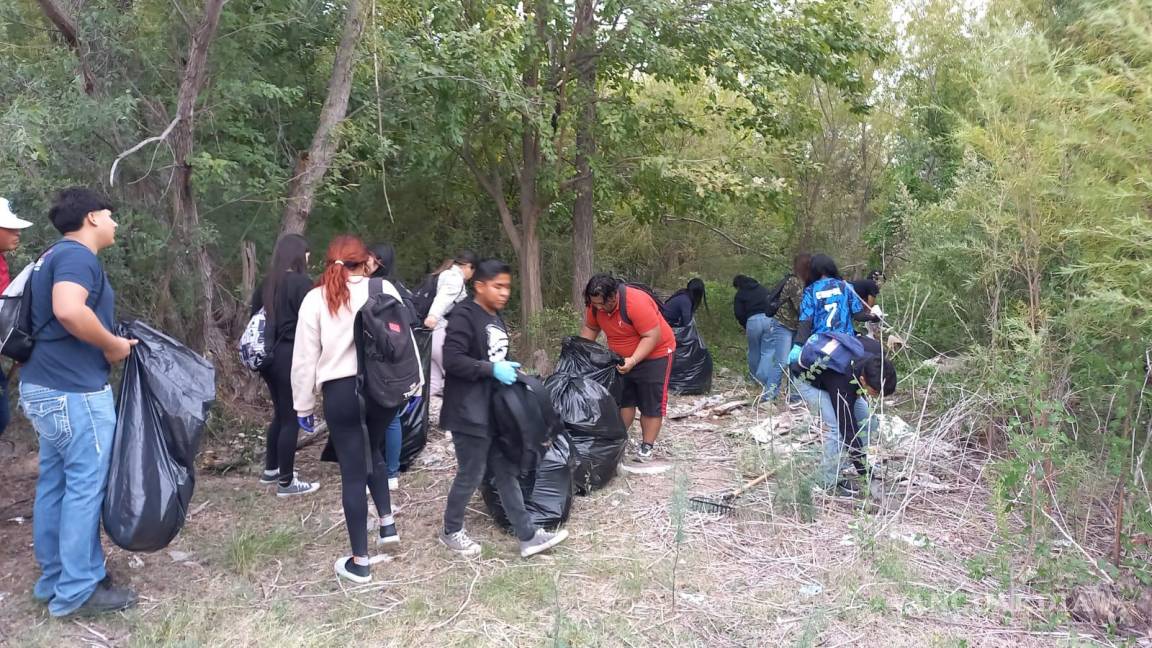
[718,506]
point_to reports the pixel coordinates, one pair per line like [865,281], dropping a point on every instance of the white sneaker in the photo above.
[460,543]
[393,483]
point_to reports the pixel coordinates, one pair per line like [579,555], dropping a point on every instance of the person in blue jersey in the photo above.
[829,305]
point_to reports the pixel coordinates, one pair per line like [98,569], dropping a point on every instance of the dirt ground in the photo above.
[793,567]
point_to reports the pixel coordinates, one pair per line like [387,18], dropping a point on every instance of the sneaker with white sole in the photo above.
[297,487]
[542,541]
[644,452]
[272,477]
[388,535]
[460,543]
[346,567]
[393,483]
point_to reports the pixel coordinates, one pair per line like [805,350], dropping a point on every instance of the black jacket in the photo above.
[293,287]
[468,380]
[751,299]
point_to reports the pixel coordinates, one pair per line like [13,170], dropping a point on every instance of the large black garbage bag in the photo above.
[692,364]
[414,418]
[598,460]
[579,357]
[592,417]
[547,490]
[164,401]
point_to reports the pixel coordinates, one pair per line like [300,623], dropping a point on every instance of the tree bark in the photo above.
[185,214]
[67,28]
[313,164]
[583,210]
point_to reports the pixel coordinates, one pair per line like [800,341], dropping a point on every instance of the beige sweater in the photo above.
[325,349]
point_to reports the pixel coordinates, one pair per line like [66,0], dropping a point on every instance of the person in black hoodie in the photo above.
[750,306]
[475,357]
[280,295]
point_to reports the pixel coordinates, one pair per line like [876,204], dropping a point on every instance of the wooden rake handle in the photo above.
[759,480]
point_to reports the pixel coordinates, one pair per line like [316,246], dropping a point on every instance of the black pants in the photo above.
[475,455]
[843,390]
[346,434]
[280,440]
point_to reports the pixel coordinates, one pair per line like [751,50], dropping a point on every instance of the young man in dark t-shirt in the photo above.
[475,359]
[65,394]
[634,327]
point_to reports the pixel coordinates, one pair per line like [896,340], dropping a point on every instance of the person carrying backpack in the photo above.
[385,256]
[325,357]
[450,281]
[475,360]
[634,328]
[280,295]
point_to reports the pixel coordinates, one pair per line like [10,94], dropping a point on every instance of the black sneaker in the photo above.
[848,488]
[644,452]
[347,568]
[270,477]
[107,599]
[388,535]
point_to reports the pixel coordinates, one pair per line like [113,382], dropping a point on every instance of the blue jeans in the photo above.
[834,457]
[780,345]
[758,329]
[75,433]
[393,439]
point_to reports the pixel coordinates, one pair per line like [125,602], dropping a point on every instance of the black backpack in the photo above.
[622,294]
[424,295]
[525,421]
[774,298]
[389,362]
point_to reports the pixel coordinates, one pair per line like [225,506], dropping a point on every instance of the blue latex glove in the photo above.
[505,371]
[307,423]
[794,355]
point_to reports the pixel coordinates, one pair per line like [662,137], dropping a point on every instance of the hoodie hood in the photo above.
[742,282]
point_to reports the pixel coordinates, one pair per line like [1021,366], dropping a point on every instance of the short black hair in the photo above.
[72,206]
[743,281]
[602,285]
[489,269]
[465,257]
[879,373]
[824,266]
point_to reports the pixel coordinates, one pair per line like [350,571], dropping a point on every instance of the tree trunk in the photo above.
[67,28]
[313,164]
[185,215]
[583,210]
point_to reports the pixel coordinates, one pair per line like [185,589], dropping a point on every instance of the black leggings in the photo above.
[342,411]
[280,440]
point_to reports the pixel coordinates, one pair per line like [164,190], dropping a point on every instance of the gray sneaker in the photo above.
[542,541]
[644,452]
[460,543]
[297,487]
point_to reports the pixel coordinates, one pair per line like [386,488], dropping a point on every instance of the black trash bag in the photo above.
[692,364]
[586,407]
[598,460]
[548,490]
[592,417]
[165,397]
[414,418]
[579,357]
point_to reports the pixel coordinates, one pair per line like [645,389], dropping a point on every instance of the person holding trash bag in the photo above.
[475,359]
[634,328]
[435,298]
[385,258]
[64,392]
[325,358]
[280,295]
[681,307]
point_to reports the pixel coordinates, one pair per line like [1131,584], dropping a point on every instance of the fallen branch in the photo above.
[151,140]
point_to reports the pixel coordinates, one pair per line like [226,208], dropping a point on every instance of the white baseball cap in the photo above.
[8,220]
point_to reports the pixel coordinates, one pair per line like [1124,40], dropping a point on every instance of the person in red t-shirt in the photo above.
[634,327]
[10,227]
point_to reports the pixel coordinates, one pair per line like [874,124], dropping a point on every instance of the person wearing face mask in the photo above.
[324,358]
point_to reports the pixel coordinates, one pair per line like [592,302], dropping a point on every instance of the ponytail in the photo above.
[344,252]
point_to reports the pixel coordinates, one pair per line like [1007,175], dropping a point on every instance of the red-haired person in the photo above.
[324,359]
